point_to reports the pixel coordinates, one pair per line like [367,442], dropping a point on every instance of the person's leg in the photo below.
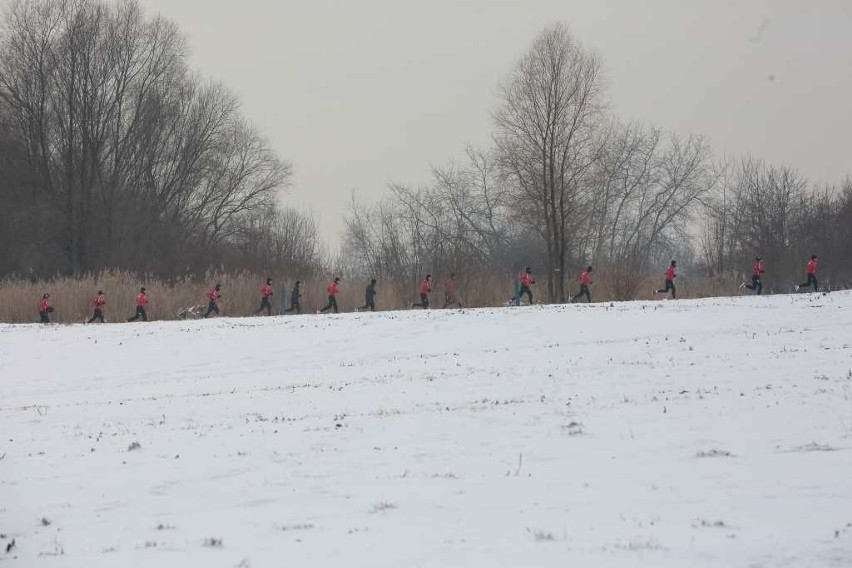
[674,290]
[142,314]
[211,306]
[813,278]
[268,306]
[372,305]
[585,291]
[334,302]
[44,317]
[759,285]
[94,317]
[328,305]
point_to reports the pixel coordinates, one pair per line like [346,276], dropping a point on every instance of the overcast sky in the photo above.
[357,94]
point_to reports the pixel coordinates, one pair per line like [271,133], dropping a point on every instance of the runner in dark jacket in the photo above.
[295,298]
[369,297]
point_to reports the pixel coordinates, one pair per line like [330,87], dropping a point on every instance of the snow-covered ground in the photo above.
[683,434]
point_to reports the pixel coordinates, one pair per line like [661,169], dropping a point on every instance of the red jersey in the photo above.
[671,273]
[450,285]
[812,267]
[757,269]
[425,287]
[585,278]
[43,305]
[99,301]
[525,279]
[141,300]
[214,295]
[332,289]
[266,291]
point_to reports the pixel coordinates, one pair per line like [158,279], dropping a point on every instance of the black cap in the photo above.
[528,269]
[143,289]
[814,257]
[588,269]
[218,285]
[100,291]
[337,279]
[46,296]
[757,258]
[674,263]
[269,280]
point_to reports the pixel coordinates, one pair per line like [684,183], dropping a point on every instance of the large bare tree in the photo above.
[548,138]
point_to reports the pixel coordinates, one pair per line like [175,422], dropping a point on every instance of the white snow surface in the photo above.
[674,433]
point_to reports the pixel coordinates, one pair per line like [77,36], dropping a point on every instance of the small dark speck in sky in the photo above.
[758,35]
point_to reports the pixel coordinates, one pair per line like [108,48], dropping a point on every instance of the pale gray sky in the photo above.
[360,93]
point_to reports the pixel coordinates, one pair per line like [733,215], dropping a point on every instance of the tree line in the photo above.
[115,154]
[566,184]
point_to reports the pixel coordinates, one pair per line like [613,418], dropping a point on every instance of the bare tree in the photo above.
[136,161]
[646,187]
[547,141]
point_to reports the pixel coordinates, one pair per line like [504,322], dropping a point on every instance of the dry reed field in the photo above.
[72,297]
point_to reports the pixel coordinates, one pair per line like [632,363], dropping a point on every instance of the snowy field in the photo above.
[710,433]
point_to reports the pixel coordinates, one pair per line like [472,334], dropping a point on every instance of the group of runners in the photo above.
[523,288]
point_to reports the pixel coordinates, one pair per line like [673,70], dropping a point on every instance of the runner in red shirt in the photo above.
[756,274]
[44,309]
[671,274]
[425,290]
[812,275]
[98,304]
[213,297]
[450,298]
[265,294]
[332,290]
[585,281]
[141,302]
[526,280]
